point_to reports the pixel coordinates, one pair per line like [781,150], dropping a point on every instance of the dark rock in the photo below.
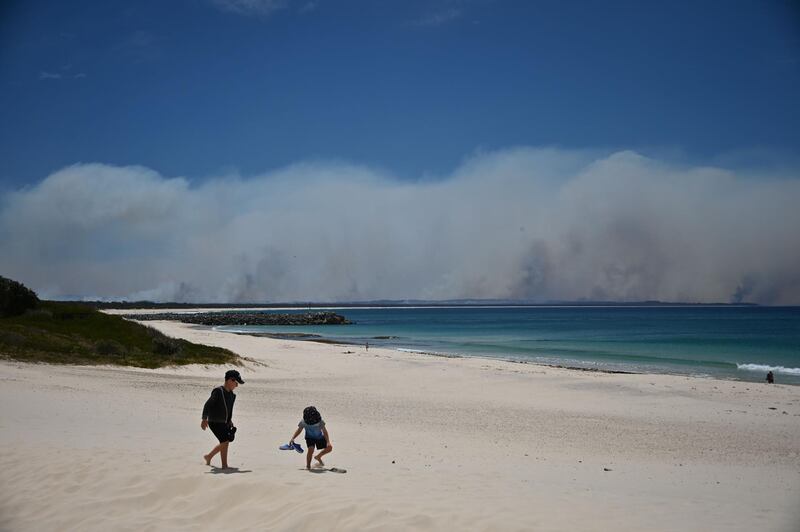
[245,318]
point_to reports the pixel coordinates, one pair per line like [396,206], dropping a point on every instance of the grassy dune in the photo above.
[68,333]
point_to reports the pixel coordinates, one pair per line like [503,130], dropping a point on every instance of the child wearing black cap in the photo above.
[316,435]
[218,415]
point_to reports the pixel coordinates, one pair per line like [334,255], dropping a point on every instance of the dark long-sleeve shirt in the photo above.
[219,407]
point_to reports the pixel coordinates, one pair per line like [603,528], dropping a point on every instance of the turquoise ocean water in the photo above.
[728,342]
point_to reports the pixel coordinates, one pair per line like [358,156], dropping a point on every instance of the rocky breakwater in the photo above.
[245,318]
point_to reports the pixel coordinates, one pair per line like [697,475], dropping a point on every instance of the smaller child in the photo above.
[316,435]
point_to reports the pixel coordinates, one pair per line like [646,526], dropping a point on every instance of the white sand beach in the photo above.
[428,443]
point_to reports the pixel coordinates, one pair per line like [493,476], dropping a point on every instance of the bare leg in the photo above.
[212,454]
[309,454]
[322,453]
[223,452]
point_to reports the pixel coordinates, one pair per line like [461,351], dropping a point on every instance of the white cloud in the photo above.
[43,75]
[537,224]
[308,7]
[438,18]
[250,7]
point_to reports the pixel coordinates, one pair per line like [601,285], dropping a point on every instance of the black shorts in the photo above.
[222,431]
[319,443]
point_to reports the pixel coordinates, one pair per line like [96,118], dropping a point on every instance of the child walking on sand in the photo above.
[316,435]
[218,416]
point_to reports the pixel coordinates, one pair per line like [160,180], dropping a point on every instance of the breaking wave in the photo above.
[763,368]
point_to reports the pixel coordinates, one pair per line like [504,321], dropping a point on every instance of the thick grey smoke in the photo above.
[532,224]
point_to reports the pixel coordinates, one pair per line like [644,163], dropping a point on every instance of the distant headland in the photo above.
[398,303]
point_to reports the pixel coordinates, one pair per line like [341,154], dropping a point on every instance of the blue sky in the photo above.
[198,88]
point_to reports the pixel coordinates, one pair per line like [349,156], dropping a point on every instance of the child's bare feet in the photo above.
[317,458]
[207,458]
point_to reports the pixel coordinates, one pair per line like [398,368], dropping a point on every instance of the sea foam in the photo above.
[763,368]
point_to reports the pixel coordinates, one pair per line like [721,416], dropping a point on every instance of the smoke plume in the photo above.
[533,224]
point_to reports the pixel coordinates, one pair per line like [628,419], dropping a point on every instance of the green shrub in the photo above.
[109,348]
[69,333]
[72,311]
[11,339]
[166,346]
[39,314]
[15,298]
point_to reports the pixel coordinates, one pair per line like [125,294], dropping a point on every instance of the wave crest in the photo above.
[763,368]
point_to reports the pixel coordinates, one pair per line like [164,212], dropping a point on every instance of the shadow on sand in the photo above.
[319,470]
[227,470]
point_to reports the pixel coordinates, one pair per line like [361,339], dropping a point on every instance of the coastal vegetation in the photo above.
[70,333]
[15,298]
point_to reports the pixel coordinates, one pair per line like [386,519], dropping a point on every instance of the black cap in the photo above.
[233,374]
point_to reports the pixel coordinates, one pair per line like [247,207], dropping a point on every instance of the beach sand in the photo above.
[429,443]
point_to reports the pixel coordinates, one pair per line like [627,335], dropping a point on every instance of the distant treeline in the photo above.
[395,303]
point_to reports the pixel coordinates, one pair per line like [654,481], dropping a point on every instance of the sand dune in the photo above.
[428,444]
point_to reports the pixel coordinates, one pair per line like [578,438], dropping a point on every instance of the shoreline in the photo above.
[311,337]
[303,337]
